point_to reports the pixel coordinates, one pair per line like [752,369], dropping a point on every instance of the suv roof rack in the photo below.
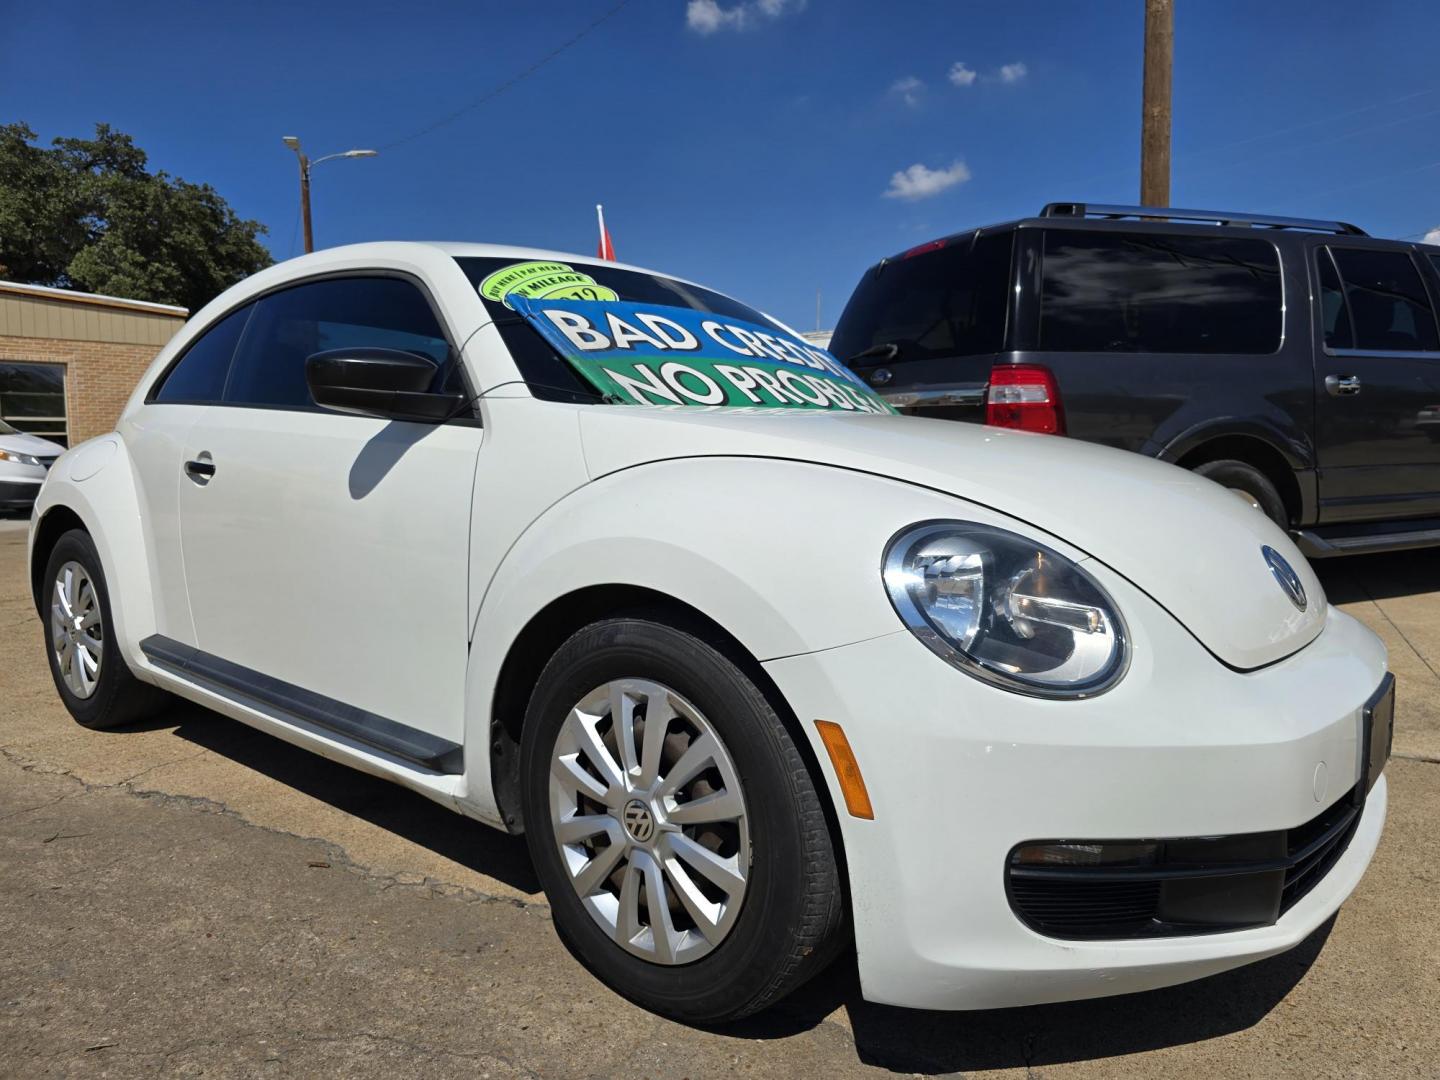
[1218,217]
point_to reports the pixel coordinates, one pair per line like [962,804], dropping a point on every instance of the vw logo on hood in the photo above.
[1286,576]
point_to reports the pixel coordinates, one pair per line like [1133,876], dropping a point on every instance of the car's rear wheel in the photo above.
[1250,484]
[94,682]
[674,825]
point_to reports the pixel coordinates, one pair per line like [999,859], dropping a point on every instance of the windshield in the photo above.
[582,331]
[6,429]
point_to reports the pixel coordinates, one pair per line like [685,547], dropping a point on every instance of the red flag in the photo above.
[607,246]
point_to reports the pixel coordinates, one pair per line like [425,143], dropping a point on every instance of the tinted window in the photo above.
[1334,313]
[949,301]
[289,326]
[200,375]
[551,377]
[1144,292]
[1388,305]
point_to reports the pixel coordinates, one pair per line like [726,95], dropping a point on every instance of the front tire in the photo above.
[689,866]
[91,676]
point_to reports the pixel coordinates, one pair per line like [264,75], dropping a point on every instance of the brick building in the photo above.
[69,360]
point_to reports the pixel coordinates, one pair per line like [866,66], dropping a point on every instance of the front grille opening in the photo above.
[1193,885]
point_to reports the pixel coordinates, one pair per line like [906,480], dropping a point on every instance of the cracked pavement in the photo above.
[192,897]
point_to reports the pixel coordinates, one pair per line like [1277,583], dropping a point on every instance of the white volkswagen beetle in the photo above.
[582,550]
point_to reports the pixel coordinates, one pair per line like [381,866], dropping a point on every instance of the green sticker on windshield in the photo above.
[543,281]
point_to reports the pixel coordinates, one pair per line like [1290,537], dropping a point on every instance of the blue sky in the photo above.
[768,148]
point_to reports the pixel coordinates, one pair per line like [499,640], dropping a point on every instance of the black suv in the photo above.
[1295,361]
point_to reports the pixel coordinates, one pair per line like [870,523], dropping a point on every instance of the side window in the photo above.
[1334,313]
[289,326]
[1388,304]
[1149,292]
[199,377]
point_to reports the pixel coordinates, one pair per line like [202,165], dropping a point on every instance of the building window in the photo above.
[32,399]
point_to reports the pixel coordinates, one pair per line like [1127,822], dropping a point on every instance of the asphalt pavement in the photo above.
[191,897]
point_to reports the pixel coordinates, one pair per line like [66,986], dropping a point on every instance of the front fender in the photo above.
[784,555]
[96,482]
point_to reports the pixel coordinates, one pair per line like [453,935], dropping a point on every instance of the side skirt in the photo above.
[379,732]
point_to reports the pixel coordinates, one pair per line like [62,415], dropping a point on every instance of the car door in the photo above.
[157,437]
[328,551]
[1377,378]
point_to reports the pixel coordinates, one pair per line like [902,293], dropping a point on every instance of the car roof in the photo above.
[348,253]
[1114,218]
[352,257]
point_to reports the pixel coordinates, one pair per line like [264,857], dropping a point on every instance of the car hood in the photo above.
[1190,544]
[21,443]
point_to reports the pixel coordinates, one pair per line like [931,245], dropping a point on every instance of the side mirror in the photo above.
[391,384]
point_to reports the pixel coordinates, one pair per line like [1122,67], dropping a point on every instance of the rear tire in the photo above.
[1250,482]
[92,677]
[772,837]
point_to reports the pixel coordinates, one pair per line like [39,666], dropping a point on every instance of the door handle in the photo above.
[1342,385]
[200,471]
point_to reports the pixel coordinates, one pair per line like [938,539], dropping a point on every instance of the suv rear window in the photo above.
[1156,293]
[950,301]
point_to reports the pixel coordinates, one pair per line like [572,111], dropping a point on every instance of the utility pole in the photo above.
[1155,110]
[294,144]
[304,199]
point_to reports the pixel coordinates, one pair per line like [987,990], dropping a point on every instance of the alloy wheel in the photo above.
[77,632]
[649,819]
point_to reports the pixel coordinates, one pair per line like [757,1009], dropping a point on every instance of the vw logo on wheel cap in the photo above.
[639,822]
[1286,576]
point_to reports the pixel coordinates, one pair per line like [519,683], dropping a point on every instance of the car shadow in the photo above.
[900,1040]
[382,453]
[389,806]
[1355,578]
[928,1042]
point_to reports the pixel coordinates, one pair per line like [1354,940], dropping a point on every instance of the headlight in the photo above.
[18,459]
[1006,609]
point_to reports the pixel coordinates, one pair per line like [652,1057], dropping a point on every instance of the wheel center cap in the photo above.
[639,821]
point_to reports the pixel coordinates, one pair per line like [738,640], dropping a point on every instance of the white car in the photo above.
[24,460]
[1025,718]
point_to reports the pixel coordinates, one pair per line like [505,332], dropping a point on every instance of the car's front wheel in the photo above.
[94,682]
[674,825]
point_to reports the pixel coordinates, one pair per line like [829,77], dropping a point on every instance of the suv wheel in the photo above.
[1250,484]
[94,682]
[674,825]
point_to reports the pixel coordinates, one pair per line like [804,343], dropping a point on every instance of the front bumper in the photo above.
[960,773]
[19,494]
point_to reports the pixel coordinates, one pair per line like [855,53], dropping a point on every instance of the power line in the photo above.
[1182,159]
[508,83]
[1312,123]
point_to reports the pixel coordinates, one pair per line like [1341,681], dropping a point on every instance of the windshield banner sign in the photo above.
[653,354]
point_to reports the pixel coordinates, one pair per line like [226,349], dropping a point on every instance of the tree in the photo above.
[86,214]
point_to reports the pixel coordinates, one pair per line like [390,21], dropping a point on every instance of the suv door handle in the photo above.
[1342,385]
[200,471]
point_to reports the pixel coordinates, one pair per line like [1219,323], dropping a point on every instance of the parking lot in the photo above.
[195,897]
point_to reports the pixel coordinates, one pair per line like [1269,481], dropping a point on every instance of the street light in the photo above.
[305,166]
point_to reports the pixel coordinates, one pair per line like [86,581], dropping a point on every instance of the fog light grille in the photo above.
[1091,889]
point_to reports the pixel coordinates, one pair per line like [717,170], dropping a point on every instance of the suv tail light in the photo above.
[1025,397]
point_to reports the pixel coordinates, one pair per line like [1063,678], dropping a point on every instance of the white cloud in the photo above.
[708,16]
[961,75]
[908,89]
[1013,73]
[920,181]
[1433,236]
